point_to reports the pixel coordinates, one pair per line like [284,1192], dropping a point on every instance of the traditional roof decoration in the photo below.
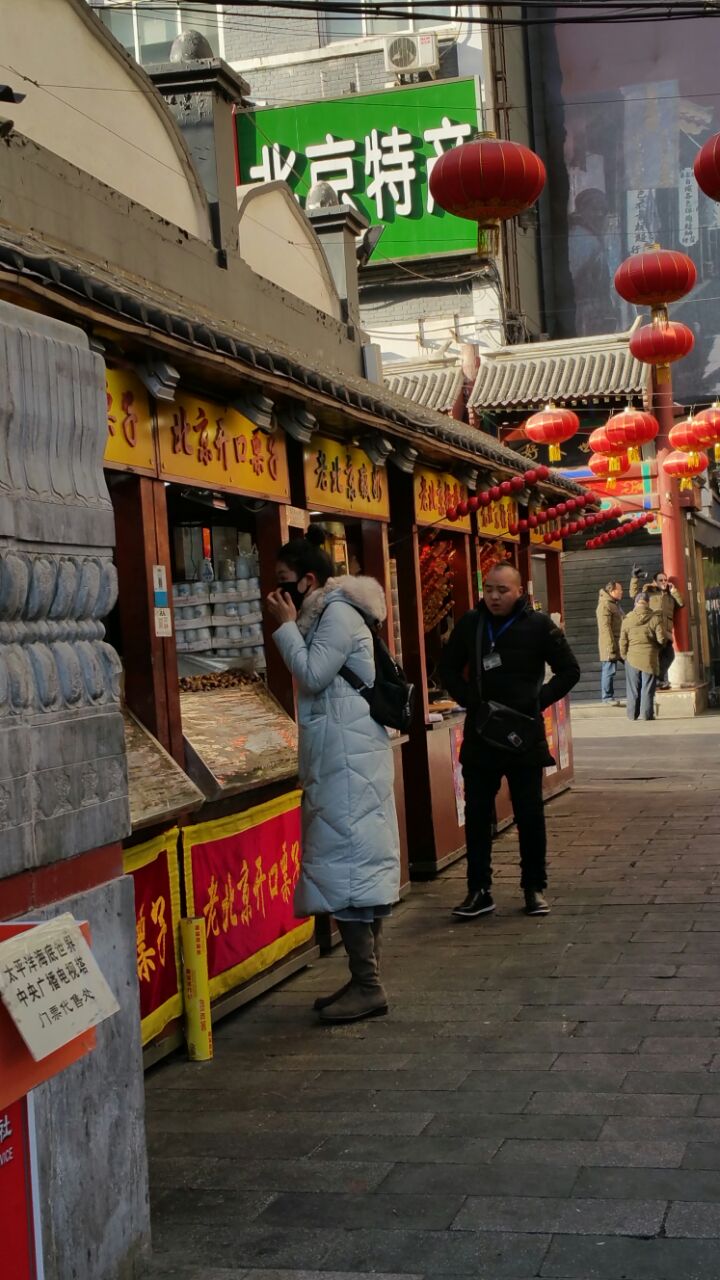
[432,386]
[164,319]
[578,371]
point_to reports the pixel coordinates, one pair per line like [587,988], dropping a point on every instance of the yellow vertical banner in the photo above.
[196,985]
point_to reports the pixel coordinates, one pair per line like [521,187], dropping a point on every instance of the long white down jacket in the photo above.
[351,852]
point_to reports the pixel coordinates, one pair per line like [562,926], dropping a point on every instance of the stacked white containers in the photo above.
[223,619]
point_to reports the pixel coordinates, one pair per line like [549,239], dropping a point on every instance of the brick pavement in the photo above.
[544,1099]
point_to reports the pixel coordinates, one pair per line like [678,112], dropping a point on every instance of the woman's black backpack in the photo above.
[392,698]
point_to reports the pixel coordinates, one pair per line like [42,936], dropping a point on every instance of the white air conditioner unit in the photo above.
[412,52]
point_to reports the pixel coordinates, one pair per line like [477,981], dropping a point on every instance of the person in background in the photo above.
[663,598]
[351,847]
[642,637]
[609,621]
[514,644]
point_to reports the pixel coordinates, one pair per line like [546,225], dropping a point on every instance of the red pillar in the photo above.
[673,546]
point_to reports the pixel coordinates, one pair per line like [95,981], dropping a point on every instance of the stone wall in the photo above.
[63,783]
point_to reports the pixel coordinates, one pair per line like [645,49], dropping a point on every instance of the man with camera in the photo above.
[494,665]
[663,598]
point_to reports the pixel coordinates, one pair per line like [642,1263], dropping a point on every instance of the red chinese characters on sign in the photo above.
[208,443]
[17,1227]
[243,885]
[435,492]
[130,443]
[341,477]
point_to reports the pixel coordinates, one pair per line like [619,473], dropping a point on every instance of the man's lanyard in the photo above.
[495,636]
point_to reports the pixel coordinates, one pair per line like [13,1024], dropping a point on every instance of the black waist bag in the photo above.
[499,726]
[392,698]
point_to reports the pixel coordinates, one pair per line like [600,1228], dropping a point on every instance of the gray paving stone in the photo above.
[610,1258]
[561,1216]
[481,1180]
[687,1129]
[230,1173]
[646,1081]
[613,1104]
[546,1081]
[650,1155]
[422,1149]
[658,1184]
[580,1014]
[532,1127]
[248,1123]
[434,1212]
[266,1146]
[485,1255]
[702,1155]
[221,1240]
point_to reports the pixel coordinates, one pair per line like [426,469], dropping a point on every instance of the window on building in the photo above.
[336,27]
[147,28]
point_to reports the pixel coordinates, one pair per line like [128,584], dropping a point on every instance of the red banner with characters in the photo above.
[156,876]
[240,875]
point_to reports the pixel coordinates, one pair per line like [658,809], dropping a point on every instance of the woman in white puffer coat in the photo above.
[351,852]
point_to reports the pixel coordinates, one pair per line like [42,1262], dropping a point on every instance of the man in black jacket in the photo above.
[515,644]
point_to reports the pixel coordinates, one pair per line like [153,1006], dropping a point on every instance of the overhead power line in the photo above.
[575,12]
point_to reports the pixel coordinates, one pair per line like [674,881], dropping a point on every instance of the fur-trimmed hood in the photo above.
[364,593]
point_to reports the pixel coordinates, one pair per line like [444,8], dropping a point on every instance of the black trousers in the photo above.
[483,778]
[667,657]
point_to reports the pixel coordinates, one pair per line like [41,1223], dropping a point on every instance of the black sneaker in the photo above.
[535,903]
[479,903]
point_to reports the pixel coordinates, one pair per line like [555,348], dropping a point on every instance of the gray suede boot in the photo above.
[324,1002]
[364,996]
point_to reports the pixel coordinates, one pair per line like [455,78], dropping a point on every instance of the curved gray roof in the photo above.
[597,370]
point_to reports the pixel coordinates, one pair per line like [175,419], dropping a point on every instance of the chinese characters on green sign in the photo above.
[377,151]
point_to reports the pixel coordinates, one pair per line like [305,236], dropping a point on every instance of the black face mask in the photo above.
[292,589]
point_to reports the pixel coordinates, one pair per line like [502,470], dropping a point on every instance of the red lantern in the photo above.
[609,468]
[513,529]
[506,488]
[487,180]
[707,167]
[484,498]
[473,503]
[551,427]
[707,426]
[523,526]
[552,513]
[683,467]
[661,344]
[582,523]
[542,471]
[598,441]
[495,492]
[549,538]
[517,483]
[462,508]
[532,522]
[655,278]
[452,513]
[531,478]
[629,430]
[684,436]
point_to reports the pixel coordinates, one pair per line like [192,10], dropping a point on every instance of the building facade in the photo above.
[328,104]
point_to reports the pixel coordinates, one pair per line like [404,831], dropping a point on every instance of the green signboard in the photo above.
[377,150]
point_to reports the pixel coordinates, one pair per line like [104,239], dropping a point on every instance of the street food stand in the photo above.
[441,566]
[200,496]
[348,494]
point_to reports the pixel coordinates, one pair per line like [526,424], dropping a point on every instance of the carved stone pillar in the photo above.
[63,778]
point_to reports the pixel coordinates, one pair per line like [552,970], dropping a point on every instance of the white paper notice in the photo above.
[51,985]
